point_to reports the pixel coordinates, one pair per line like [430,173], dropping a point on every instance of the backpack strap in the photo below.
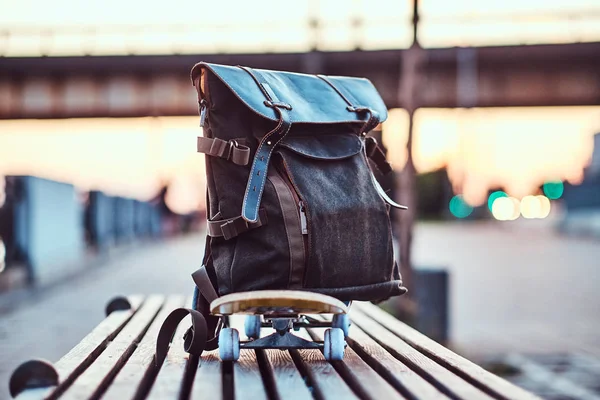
[205,286]
[373,119]
[371,149]
[375,153]
[228,150]
[260,164]
[232,227]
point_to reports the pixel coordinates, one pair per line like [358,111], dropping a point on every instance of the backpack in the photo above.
[292,202]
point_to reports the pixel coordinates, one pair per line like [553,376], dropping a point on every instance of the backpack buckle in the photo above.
[231,144]
[229,229]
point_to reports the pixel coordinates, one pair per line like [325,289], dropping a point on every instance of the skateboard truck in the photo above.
[282,311]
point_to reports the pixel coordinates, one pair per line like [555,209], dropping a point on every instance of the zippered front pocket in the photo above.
[294,219]
[349,241]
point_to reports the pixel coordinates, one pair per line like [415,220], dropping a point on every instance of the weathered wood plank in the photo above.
[247,377]
[395,372]
[92,383]
[72,364]
[359,375]
[204,375]
[208,382]
[289,383]
[326,382]
[471,372]
[443,379]
[130,378]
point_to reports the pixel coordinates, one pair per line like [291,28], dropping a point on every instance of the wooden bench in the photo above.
[385,359]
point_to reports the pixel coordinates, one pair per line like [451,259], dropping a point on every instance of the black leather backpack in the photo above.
[292,201]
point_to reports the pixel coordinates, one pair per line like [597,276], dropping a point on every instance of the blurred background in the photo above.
[492,131]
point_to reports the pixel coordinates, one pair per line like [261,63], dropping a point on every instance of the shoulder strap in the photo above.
[258,171]
[371,149]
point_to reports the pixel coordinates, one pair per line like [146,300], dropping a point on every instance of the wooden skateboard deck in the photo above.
[277,302]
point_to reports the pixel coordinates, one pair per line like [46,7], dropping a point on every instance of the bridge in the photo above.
[158,85]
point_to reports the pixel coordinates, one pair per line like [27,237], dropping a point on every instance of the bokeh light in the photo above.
[502,208]
[506,208]
[544,206]
[495,195]
[459,208]
[516,210]
[554,189]
[531,207]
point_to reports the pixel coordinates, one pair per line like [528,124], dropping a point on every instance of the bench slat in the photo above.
[95,379]
[72,364]
[169,380]
[289,384]
[247,378]
[208,382]
[359,376]
[131,376]
[384,359]
[436,374]
[471,372]
[399,375]
[325,379]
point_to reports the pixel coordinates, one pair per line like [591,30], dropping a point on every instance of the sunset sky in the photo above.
[513,148]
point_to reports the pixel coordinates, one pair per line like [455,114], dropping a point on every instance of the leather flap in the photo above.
[312,99]
[324,147]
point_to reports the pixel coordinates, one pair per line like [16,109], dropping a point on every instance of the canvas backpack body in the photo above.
[292,202]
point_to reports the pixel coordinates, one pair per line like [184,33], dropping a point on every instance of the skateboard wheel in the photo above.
[252,326]
[341,321]
[229,344]
[334,344]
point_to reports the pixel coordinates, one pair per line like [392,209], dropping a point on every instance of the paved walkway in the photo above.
[50,323]
[516,287]
[512,288]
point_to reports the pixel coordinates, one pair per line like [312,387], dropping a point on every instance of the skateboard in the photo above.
[284,311]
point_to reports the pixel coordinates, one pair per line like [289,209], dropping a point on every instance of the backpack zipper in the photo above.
[203,111]
[289,203]
[303,224]
[302,211]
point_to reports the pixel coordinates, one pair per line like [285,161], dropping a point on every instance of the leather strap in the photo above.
[228,150]
[232,227]
[375,153]
[371,149]
[194,338]
[373,119]
[258,171]
[204,284]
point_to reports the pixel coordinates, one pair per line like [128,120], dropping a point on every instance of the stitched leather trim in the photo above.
[293,229]
[258,171]
[286,84]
